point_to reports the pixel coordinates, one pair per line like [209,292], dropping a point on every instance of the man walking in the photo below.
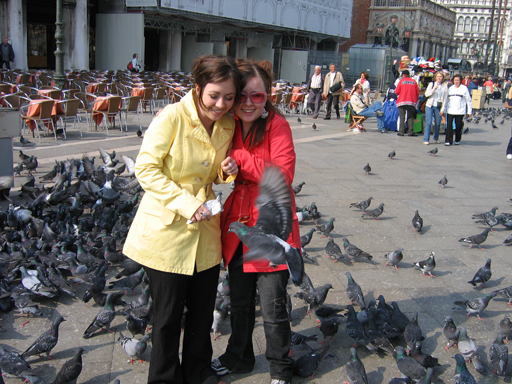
[333,78]
[7,53]
[315,91]
[408,93]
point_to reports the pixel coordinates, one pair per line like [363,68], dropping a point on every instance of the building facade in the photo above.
[169,34]
[430,26]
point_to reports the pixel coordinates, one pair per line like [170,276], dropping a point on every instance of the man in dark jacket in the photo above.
[7,54]
[315,84]
[473,85]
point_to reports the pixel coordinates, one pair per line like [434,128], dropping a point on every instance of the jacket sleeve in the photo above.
[156,145]
[326,83]
[430,90]
[446,100]
[469,102]
[281,150]
[342,81]
[12,52]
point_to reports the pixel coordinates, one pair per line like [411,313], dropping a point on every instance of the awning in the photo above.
[454,61]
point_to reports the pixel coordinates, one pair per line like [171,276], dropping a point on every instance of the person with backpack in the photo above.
[435,94]
[134,65]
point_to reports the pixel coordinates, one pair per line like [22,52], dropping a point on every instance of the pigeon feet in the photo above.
[25,323]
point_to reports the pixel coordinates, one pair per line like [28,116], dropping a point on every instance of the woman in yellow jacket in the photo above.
[183,152]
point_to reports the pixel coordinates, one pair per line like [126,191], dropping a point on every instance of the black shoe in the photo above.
[412,134]
[400,134]
[327,118]
[338,117]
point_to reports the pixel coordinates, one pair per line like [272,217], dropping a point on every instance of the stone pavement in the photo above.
[330,160]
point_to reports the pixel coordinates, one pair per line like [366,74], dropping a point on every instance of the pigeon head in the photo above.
[400,352]
[238,228]
[461,363]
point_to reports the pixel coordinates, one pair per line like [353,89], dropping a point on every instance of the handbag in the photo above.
[335,87]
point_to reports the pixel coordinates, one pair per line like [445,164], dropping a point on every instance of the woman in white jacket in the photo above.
[436,93]
[457,104]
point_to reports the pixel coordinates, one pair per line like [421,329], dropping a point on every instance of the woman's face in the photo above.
[363,77]
[254,97]
[439,78]
[456,82]
[218,98]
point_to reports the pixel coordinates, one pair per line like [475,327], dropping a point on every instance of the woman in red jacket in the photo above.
[262,137]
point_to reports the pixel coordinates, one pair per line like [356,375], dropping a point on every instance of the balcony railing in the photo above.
[423,4]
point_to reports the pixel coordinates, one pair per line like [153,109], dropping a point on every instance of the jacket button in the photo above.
[206,163]
[199,179]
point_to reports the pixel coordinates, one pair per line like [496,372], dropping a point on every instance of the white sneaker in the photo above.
[509,156]
[426,143]
[447,144]
[457,143]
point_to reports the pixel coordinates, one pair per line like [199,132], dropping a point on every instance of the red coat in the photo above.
[407,91]
[276,148]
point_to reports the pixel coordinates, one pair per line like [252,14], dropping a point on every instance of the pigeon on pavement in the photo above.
[354,252]
[362,205]
[498,354]
[451,332]
[267,239]
[505,292]
[408,366]
[412,332]
[46,342]
[355,330]
[505,326]
[367,169]
[427,379]
[133,347]
[306,239]
[443,181]
[424,359]
[462,375]
[427,266]
[476,239]
[393,258]
[329,327]
[476,305]
[482,275]
[354,292]
[392,154]
[12,363]
[333,250]
[70,370]
[355,369]
[469,350]
[103,318]
[417,222]
[374,213]
[307,365]
[433,152]
[129,282]
[326,229]
[298,188]
[398,318]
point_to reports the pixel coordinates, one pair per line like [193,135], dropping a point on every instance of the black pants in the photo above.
[458,128]
[314,101]
[336,98]
[408,126]
[7,64]
[509,147]
[239,355]
[170,293]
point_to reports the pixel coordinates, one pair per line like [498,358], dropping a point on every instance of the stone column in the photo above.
[164,56]
[76,36]
[175,40]
[414,47]
[18,32]
[422,47]
[241,48]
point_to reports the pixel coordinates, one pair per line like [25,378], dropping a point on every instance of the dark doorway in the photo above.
[151,49]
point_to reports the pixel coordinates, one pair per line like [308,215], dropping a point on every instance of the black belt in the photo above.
[316,89]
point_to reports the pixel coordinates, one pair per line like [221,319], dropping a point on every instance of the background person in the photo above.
[359,103]
[364,81]
[456,105]
[408,93]
[332,78]
[7,53]
[263,137]
[136,67]
[182,261]
[436,93]
[315,83]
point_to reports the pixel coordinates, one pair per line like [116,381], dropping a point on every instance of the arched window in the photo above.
[474,24]
[464,49]
[460,24]
[467,24]
[481,25]
[487,24]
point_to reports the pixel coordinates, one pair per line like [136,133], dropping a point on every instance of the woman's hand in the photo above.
[229,166]
[201,214]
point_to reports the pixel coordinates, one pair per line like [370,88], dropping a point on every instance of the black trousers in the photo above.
[239,355]
[170,293]
[7,64]
[410,110]
[330,98]
[315,100]
[459,124]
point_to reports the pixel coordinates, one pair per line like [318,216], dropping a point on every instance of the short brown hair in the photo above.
[457,75]
[216,69]
[366,75]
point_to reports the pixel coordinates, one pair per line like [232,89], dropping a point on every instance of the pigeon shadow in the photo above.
[425,229]
[380,218]
[491,283]
[376,376]
[107,377]
[441,273]
[482,143]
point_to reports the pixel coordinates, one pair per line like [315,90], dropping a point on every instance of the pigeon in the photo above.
[354,252]
[451,332]
[505,326]
[392,154]
[494,126]
[408,366]
[329,327]
[476,239]
[25,142]
[488,218]
[393,258]
[298,188]
[498,354]
[302,214]
[412,332]
[398,318]
[11,363]
[476,305]
[427,379]
[299,339]
[326,229]
[299,120]
[484,215]
[355,369]
[103,318]
[433,152]
[314,126]
[134,347]
[46,342]
[50,175]
[508,240]
[139,133]
[354,292]
[306,239]
[324,312]
[400,380]
[307,365]
[129,282]
[443,181]
[333,250]
[417,222]
[362,205]
[462,375]
[108,159]
[267,239]
[367,169]
[468,348]
[135,326]
[32,283]
[427,266]
[376,336]
[424,359]
[70,370]
[355,330]
[306,256]
[466,130]
[220,314]
[313,211]
[482,275]
[314,296]
[374,213]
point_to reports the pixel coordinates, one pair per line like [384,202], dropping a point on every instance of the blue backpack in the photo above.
[390,114]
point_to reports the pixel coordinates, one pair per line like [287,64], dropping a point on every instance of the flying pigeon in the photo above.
[267,239]
[427,266]
[482,275]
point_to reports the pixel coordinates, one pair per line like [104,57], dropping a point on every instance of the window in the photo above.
[467,24]
[487,24]
[460,24]
[464,49]
[481,25]
[474,24]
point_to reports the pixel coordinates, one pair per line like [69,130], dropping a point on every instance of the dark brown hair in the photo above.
[216,69]
[459,76]
[263,70]
[366,75]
